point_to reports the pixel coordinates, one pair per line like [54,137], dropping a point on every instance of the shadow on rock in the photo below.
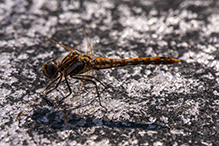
[56,121]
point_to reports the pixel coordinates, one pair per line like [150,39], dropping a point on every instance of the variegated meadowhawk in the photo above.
[76,66]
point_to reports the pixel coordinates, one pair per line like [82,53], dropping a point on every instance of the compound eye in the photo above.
[51,70]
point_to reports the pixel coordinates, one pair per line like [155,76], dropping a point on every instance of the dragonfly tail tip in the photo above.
[176,60]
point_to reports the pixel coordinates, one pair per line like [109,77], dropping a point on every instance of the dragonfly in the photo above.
[76,65]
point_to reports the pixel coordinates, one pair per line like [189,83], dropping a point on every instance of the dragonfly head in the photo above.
[50,69]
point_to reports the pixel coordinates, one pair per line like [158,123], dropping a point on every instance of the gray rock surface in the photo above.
[146,105]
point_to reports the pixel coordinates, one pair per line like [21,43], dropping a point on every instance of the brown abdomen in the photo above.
[102,63]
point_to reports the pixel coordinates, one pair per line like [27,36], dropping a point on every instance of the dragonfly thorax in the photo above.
[50,69]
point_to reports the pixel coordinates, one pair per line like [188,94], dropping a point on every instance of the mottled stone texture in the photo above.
[181,100]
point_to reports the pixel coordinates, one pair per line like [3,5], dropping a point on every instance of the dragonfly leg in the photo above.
[106,86]
[40,94]
[48,86]
[69,88]
[93,78]
[81,77]
[61,101]
[84,78]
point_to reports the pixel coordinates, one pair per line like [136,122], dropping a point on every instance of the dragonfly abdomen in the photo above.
[102,63]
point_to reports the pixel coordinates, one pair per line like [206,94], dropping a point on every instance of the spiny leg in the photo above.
[90,76]
[69,88]
[66,115]
[93,78]
[85,77]
[40,94]
[60,102]
[47,87]
[106,86]
[47,100]
[98,94]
